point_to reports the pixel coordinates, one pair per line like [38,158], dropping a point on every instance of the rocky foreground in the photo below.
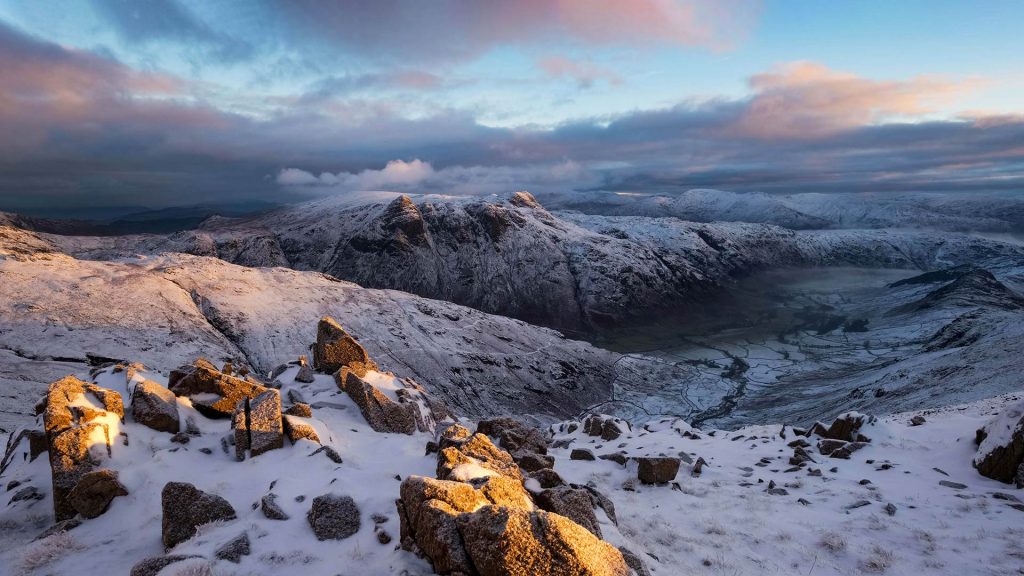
[327,465]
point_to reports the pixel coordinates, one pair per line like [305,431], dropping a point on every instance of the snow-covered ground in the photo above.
[720,522]
[724,521]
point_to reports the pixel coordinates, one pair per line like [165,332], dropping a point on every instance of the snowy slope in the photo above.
[58,314]
[882,511]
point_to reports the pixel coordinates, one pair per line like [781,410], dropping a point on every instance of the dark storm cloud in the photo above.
[78,127]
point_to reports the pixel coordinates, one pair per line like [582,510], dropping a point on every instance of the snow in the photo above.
[723,521]
[371,463]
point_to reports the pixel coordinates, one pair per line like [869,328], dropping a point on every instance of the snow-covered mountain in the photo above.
[960,212]
[61,314]
[512,257]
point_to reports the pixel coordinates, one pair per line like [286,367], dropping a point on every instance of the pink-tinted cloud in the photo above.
[809,100]
[584,72]
[460,29]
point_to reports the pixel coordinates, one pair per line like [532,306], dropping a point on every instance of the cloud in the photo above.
[584,72]
[419,176]
[397,173]
[450,30]
[397,80]
[81,128]
[809,100]
[161,20]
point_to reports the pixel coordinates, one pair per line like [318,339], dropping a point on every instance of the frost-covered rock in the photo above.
[473,457]
[296,428]
[212,392]
[155,406]
[333,517]
[335,348]
[657,470]
[94,492]
[186,508]
[390,404]
[153,566]
[503,540]
[80,420]
[575,504]
[1000,453]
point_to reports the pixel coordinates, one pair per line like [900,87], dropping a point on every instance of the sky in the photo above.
[115,104]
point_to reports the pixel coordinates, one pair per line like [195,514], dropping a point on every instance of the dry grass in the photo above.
[833,542]
[46,551]
[879,560]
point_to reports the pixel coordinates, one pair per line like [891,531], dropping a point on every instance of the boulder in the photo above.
[531,462]
[509,541]
[428,509]
[297,429]
[581,454]
[300,409]
[265,425]
[305,374]
[607,427]
[335,349]
[234,549]
[271,509]
[186,508]
[575,504]
[474,457]
[155,407]
[828,446]
[1000,454]
[403,411]
[514,436]
[258,425]
[153,566]
[93,493]
[547,478]
[333,517]
[28,442]
[657,470]
[213,393]
[77,420]
[846,427]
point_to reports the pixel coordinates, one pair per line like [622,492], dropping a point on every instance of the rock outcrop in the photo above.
[401,410]
[1000,453]
[186,508]
[335,348]
[258,424]
[478,519]
[213,393]
[79,419]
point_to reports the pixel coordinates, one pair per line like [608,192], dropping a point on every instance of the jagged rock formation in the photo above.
[335,348]
[258,424]
[477,519]
[212,391]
